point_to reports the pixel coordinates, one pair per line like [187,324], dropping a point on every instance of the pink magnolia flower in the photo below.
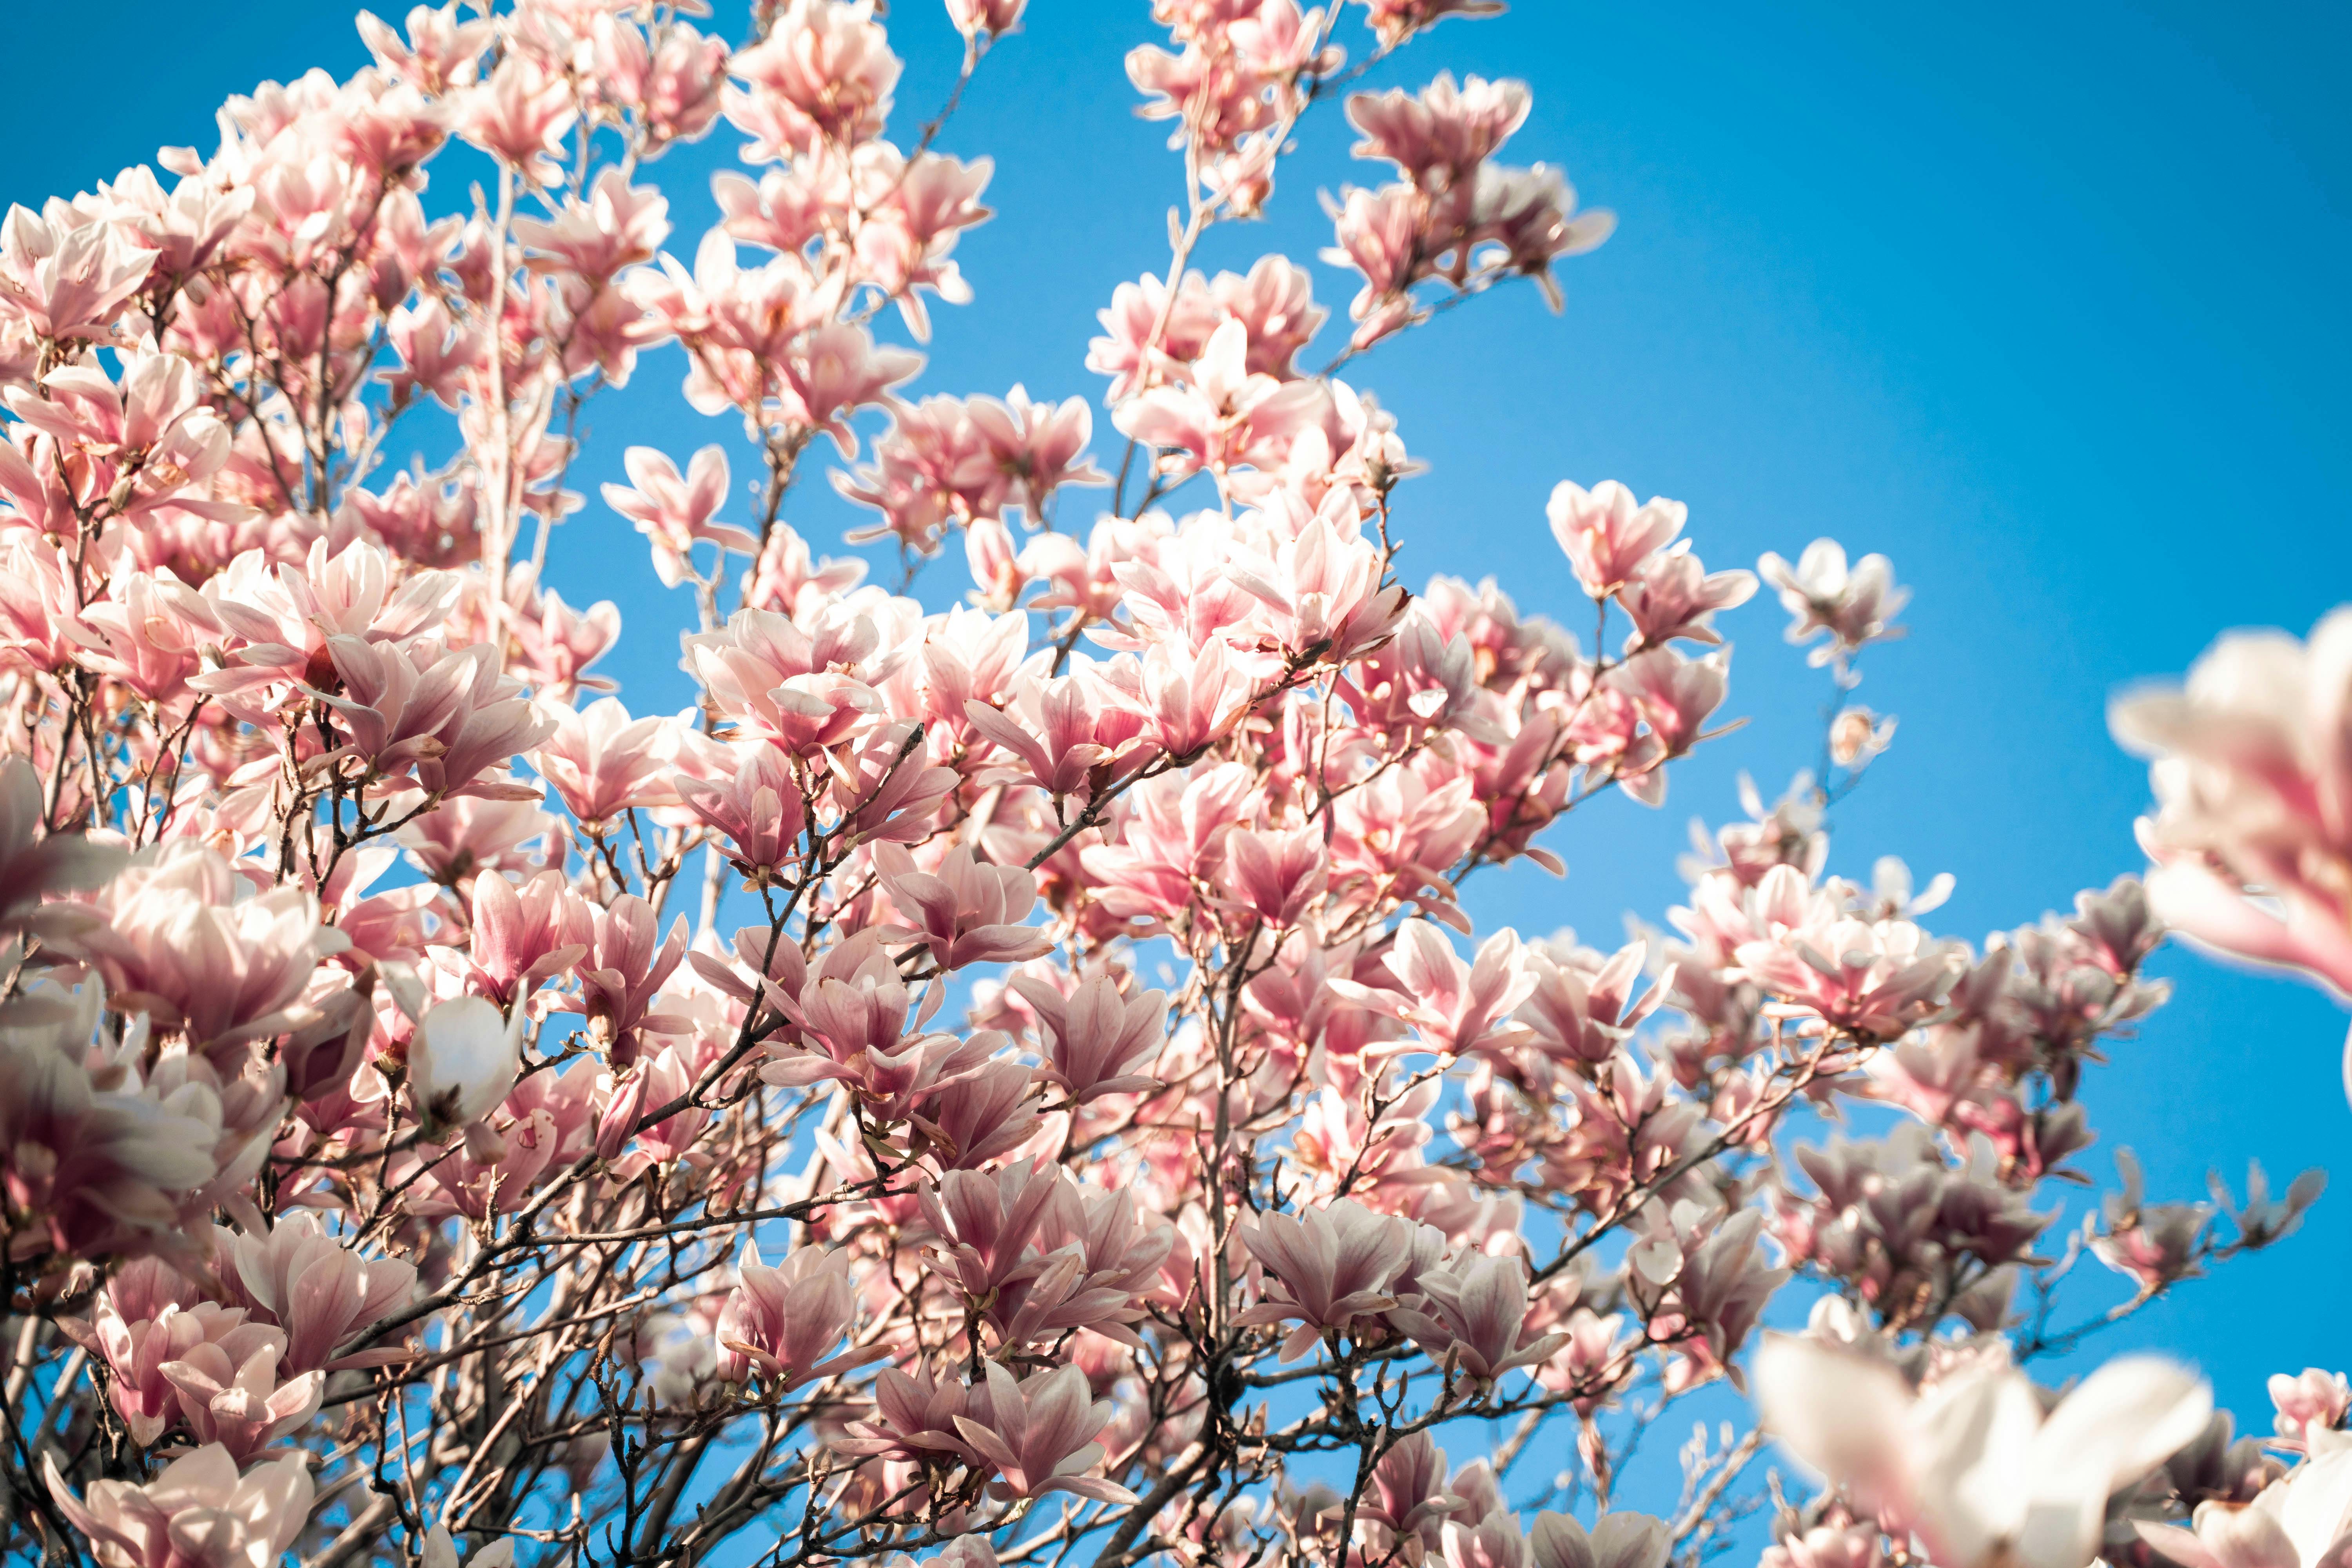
[1439,136]
[913,1418]
[1822,594]
[969,912]
[1455,1007]
[1323,594]
[520,116]
[199,1501]
[1672,595]
[321,1292]
[147,1318]
[1582,1008]
[675,514]
[1053,726]
[616,226]
[803,689]
[2253,832]
[603,762]
[242,1405]
[1474,1315]
[440,51]
[978,1116]
[757,804]
[1873,978]
[189,943]
[1096,1039]
[1334,1264]
[1397,20]
[67,283]
[785,1320]
[2152,1244]
[1129,351]
[38,866]
[1036,448]
[1278,875]
[522,937]
[1038,1435]
[622,973]
[2314,1401]
[1616,1541]
[1531,215]
[993,17]
[823,73]
[94,1171]
[1224,415]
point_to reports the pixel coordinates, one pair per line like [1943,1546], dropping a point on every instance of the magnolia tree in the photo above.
[1011,1079]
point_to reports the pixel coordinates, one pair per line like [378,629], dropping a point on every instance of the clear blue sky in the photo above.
[2046,302]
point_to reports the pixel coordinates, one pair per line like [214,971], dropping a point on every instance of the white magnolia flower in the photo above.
[1973,1466]
[463,1060]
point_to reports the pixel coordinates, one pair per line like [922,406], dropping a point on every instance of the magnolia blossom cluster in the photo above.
[1003,1075]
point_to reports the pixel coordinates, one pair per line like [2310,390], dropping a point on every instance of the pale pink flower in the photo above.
[321,1292]
[1130,353]
[1857,735]
[1672,595]
[1617,1541]
[520,116]
[521,938]
[1473,1312]
[1821,594]
[439,52]
[1038,1436]
[1334,1263]
[1037,448]
[1454,1006]
[2314,1401]
[199,1501]
[1322,592]
[799,688]
[36,867]
[603,762]
[1052,726]
[1442,133]
[147,1317]
[242,1405]
[1278,875]
[1531,215]
[1224,415]
[785,1321]
[617,225]
[2302,1520]
[757,805]
[913,1418]
[1582,1008]
[675,514]
[1096,1039]
[1975,1467]
[1397,20]
[967,913]
[70,283]
[189,942]
[1606,537]
[993,17]
[94,1171]
[2153,1245]
[621,974]
[823,73]
[2253,832]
